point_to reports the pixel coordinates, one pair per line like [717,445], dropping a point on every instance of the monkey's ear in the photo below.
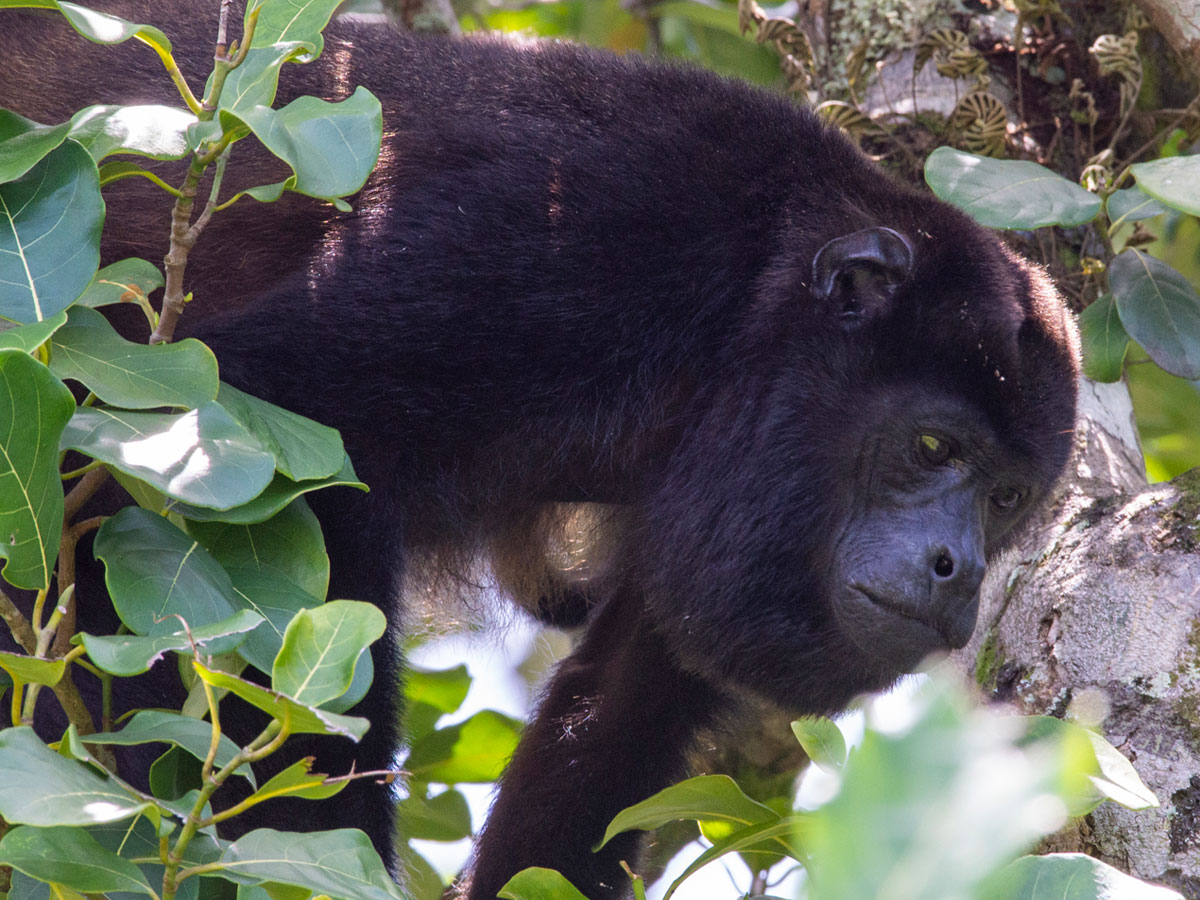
[860,271]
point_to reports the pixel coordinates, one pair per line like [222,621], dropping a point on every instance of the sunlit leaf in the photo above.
[822,740]
[39,787]
[474,751]
[1005,193]
[705,797]
[201,457]
[31,669]
[320,649]
[539,884]
[121,282]
[1068,876]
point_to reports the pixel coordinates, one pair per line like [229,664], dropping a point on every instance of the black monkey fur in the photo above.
[816,401]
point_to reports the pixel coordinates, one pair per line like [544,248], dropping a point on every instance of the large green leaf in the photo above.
[50,220]
[330,147]
[1160,309]
[278,601]
[136,376]
[1068,876]
[704,798]
[251,84]
[1174,181]
[278,494]
[339,863]
[34,408]
[72,857]
[298,718]
[24,142]
[289,545]
[320,649]
[303,449]
[776,838]
[159,132]
[298,780]
[297,20]
[155,573]
[129,654]
[153,726]
[39,787]
[474,751]
[1105,340]
[201,457]
[28,338]
[96,26]
[1004,193]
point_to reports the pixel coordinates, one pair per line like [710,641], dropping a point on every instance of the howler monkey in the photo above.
[814,401]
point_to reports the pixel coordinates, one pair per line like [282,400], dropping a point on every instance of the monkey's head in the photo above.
[830,521]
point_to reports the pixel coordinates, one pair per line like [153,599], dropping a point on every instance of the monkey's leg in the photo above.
[614,727]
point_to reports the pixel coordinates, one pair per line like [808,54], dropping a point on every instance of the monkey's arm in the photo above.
[614,726]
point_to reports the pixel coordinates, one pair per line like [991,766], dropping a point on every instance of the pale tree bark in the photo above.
[1179,22]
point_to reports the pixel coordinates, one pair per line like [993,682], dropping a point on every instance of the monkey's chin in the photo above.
[886,633]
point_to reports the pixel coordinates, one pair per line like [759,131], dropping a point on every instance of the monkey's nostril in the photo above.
[944,566]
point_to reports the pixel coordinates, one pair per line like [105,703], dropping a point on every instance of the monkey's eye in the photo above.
[1006,499]
[934,450]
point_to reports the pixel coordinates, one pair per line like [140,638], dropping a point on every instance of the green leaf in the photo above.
[300,719]
[1068,876]
[99,27]
[122,282]
[303,449]
[1004,193]
[298,780]
[158,132]
[1174,181]
[1132,205]
[251,84]
[200,457]
[39,787]
[151,726]
[28,338]
[339,863]
[474,751]
[298,20]
[136,376]
[34,408]
[775,837]
[23,143]
[705,797]
[822,740]
[443,817]
[1108,773]
[154,573]
[278,494]
[320,648]
[539,884]
[1160,309]
[421,880]
[289,546]
[1105,340]
[72,857]
[50,221]
[331,147]
[277,601]
[31,669]
[431,694]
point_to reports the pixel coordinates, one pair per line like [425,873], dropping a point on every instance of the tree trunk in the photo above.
[1096,615]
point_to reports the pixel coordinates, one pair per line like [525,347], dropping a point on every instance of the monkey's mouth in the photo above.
[888,629]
